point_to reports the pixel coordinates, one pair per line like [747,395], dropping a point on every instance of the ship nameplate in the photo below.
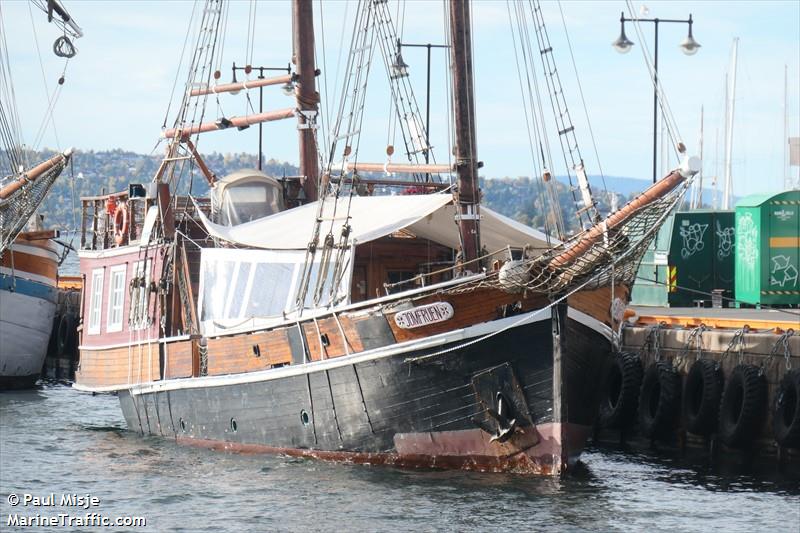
[424,315]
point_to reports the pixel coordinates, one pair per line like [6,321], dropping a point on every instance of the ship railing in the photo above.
[98,228]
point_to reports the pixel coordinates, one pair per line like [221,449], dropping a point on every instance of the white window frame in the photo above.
[140,298]
[114,272]
[96,302]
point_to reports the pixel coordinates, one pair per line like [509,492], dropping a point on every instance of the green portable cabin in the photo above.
[650,286]
[701,256]
[768,249]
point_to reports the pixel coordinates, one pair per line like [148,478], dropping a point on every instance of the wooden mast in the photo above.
[306,93]
[464,108]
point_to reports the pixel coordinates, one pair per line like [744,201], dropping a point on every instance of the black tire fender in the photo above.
[743,406]
[620,393]
[659,400]
[702,393]
[64,334]
[786,415]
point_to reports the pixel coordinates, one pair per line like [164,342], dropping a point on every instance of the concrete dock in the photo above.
[763,338]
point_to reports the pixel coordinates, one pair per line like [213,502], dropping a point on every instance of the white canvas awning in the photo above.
[428,216]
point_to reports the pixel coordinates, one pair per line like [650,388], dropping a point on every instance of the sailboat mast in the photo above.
[787,175]
[306,93]
[464,110]
[699,196]
[726,204]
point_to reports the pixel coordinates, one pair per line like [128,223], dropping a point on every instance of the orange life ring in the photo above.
[121,223]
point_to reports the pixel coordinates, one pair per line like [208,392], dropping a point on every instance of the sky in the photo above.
[118,87]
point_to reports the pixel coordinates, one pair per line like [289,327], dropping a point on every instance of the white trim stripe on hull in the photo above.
[470,334]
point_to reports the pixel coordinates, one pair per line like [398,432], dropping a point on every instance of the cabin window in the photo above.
[396,278]
[270,291]
[248,201]
[96,301]
[116,298]
[259,285]
[242,280]
[244,290]
[138,316]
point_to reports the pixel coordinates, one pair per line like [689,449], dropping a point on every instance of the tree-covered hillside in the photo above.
[97,172]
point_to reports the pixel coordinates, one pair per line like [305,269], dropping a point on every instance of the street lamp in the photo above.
[623,45]
[400,69]
[288,89]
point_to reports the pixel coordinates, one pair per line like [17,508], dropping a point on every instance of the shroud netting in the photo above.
[614,259]
[20,206]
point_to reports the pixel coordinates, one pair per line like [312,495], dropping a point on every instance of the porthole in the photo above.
[234,426]
[304,418]
[182,423]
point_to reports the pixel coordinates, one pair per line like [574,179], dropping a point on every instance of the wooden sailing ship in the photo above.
[360,328]
[29,255]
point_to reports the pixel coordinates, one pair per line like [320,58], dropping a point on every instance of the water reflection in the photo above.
[58,440]
[694,467]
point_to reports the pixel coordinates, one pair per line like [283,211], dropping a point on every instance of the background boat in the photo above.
[28,259]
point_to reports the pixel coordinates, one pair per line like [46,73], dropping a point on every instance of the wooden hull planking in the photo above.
[28,272]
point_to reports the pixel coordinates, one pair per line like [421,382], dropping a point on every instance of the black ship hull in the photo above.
[488,405]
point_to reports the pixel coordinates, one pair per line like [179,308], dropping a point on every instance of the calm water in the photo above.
[56,440]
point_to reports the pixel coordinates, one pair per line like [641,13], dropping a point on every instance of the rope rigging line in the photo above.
[573,160]
[614,259]
[336,82]
[358,63]
[207,53]
[524,318]
[74,199]
[372,23]
[448,77]
[66,27]
[51,98]
[535,121]
[180,64]
[725,298]
[408,114]
[21,203]
[583,99]
[324,114]
[666,110]
[16,209]
[528,118]
[10,125]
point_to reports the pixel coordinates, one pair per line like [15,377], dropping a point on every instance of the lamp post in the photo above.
[623,45]
[400,69]
[289,91]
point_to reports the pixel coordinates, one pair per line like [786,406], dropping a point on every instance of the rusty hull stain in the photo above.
[535,453]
